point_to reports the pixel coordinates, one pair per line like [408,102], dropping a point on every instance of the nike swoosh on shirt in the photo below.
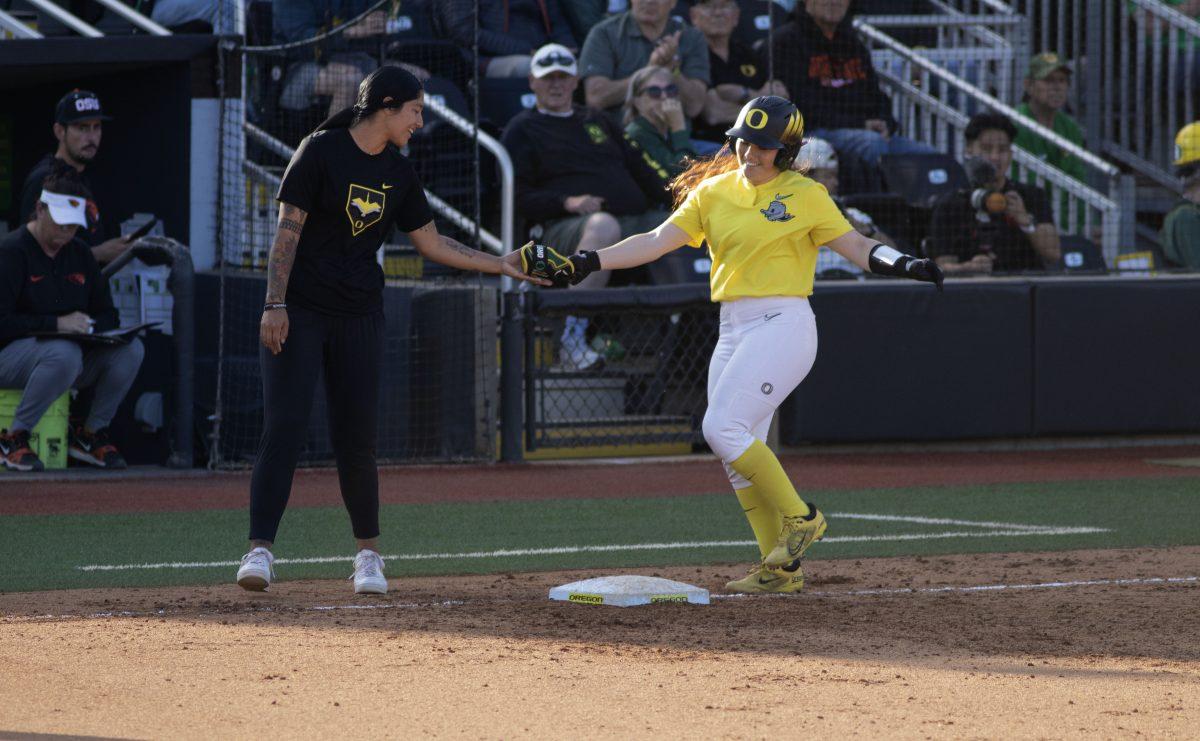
[385,186]
[36,278]
[769,317]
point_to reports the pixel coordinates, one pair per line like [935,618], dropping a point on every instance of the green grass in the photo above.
[43,552]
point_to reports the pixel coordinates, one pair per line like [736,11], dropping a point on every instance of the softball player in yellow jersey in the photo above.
[763,224]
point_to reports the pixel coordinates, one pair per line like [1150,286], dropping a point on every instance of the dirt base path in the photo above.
[491,657]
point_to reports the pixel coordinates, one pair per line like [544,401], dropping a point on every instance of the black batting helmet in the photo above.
[771,122]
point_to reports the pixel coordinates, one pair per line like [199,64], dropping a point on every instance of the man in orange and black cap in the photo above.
[78,126]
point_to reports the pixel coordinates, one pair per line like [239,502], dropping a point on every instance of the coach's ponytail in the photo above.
[343,119]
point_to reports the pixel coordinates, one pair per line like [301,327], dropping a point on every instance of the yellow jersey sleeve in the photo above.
[829,222]
[688,218]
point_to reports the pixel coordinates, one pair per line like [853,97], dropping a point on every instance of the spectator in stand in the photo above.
[50,282]
[195,16]
[509,31]
[735,71]
[1181,228]
[578,178]
[1046,87]
[78,126]
[828,70]
[654,121]
[332,69]
[819,161]
[996,225]
[645,35]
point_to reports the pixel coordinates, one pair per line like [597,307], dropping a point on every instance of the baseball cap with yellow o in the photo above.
[1046,63]
[553,58]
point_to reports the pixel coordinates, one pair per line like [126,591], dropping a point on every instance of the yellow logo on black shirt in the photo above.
[364,206]
[776,211]
[749,70]
[597,133]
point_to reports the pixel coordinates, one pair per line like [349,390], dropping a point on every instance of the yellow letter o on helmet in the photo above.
[756,118]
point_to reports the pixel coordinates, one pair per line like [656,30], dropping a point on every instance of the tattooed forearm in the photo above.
[283,251]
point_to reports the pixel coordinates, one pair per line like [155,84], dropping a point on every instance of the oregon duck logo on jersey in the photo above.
[776,211]
[596,133]
[364,206]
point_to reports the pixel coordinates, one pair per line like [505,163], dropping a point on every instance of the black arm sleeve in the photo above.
[14,325]
[534,203]
[100,303]
[302,180]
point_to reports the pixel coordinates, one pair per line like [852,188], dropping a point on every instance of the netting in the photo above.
[900,158]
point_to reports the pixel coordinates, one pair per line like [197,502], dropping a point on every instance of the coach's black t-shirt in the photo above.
[352,199]
[956,229]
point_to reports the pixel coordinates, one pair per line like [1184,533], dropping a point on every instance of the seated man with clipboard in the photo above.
[57,324]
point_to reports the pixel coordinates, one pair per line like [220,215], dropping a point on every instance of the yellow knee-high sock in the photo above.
[764,519]
[759,466]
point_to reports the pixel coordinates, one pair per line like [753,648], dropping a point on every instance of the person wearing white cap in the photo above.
[578,177]
[819,161]
[51,284]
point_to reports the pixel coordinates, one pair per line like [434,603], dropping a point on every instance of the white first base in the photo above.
[629,590]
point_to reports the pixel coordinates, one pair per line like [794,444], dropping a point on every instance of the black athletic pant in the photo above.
[349,350]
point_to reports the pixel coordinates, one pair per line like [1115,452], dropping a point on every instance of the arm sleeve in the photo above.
[301,182]
[687,218]
[15,325]
[829,222]
[414,211]
[597,56]
[534,203]
[100,302]
[693,51]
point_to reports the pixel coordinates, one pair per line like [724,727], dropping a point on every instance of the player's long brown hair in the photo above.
[701,169]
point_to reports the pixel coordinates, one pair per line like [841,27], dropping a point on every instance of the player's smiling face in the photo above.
[758,164]
[402,122]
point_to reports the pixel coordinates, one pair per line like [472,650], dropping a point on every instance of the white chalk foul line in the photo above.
[568,550]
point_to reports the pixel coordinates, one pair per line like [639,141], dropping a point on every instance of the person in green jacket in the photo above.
[1181,229]
[655,123]
[1046,87]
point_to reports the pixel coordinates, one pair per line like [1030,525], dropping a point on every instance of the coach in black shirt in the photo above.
[1019,236]
[51,283]
[736,72]
[347,186]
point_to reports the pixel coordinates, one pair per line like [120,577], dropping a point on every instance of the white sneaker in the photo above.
[368,573]
[257,570]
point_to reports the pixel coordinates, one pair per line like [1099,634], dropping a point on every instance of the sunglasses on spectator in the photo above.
[658,91]
[552,60]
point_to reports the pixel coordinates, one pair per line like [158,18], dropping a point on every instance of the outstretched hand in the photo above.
[926,270]
[513,265]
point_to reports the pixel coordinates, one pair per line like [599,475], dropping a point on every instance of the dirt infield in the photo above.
[491,657]
[699,475]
